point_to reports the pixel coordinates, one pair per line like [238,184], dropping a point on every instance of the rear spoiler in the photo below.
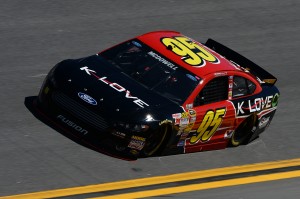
[231,55]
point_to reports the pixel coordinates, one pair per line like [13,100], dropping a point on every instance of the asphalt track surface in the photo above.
[35,35]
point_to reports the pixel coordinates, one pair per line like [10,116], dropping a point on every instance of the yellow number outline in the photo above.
[209,125]
[184,47]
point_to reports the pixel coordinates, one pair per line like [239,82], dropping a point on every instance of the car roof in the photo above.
[182,50]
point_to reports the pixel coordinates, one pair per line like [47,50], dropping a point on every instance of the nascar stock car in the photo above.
[160,93]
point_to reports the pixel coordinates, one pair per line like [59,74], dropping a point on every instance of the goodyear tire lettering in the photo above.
[209,125]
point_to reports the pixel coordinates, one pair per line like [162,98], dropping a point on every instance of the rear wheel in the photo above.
[244,132]
[156,141]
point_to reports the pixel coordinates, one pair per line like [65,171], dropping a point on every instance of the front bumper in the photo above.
[85,127]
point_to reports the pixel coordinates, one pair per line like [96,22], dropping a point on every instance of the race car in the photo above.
[160,93]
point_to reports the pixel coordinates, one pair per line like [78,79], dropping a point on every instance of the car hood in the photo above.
[103,87]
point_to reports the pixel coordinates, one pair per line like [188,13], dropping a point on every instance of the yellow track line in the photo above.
[204,186]
[155,180]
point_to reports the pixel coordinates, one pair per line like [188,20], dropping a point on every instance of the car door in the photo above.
[214,116]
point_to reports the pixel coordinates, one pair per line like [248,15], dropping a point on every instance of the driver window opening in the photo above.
[242,86]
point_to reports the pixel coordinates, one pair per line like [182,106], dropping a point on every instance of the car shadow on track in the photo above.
[88,142]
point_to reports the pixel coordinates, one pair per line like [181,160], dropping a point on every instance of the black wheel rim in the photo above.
[243,131]
[154,141]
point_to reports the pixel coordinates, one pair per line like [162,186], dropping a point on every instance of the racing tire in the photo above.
[156,141]
[244,132]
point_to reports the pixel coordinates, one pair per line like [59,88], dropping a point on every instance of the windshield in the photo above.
[152,70]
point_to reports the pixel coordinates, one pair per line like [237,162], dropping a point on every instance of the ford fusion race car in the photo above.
[161,93]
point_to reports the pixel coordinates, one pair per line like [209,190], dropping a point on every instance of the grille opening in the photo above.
[79,111]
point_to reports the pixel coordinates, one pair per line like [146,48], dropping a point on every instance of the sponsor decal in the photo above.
[186,125]
[190,51]
[184,132]
[264,122]
[256,105]
[137,142]
[119,134]
[176,115]
[230,86]
[191,77]
[192,119]
[116,87]
[192,112]
[137,44]
[275,100]
[185,118]
[184,121]
[72,124]
[87,98]
[230,95]
[162,60]
[228,134]
[220,74]
[181,143]
[189,106]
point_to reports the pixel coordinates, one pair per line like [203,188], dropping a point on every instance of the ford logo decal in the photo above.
[87,98]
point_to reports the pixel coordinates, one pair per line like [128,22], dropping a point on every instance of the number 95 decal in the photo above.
[190,52]
[209,125]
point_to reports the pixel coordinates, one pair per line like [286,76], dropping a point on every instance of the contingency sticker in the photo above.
[186,128]
[137,142]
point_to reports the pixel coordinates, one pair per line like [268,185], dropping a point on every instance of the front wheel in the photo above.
[243,132]
[155,142]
